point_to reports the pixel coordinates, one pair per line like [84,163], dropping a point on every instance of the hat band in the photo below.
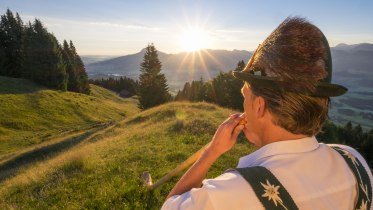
[322,89]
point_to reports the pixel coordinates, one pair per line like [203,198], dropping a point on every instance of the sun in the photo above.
[194,40]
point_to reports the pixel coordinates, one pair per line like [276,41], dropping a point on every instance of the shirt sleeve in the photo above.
[227,191]
[196,198]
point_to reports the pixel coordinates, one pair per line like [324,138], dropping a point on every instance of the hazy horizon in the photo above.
[250,50]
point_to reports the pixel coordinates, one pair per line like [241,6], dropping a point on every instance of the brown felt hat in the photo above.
[295,57]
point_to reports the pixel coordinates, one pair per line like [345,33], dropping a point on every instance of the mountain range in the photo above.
[178,68]
[352,64]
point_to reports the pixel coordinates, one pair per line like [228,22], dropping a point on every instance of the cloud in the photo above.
[229,31]
[53,22]
[128,26]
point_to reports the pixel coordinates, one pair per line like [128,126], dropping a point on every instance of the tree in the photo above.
[328,133]
[76,74]
[79,74]
[2,54]
[210,93]
[224,90]
[43,57]
[227,89]
[11,38]
[240,66]
[235,86]
[68,57]
[118,85]
[31,52]
[185,93]
[153,89]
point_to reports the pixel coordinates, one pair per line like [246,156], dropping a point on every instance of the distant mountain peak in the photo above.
[354,47]
[341,45]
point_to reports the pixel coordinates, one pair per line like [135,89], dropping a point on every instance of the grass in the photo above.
[31,114]
[104,173]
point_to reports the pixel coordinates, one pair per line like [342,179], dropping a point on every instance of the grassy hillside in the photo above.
[31,114]
[105,172]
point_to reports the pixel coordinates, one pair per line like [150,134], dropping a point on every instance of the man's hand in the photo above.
[226,135]
[224,139]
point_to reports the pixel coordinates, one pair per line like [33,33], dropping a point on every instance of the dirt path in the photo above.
[11,166]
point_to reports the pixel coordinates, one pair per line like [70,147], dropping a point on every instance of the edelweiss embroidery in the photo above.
[271,191]
[349,155]
[357,167]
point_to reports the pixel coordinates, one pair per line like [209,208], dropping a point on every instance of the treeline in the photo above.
[29,51]
[118,84]
[223,90]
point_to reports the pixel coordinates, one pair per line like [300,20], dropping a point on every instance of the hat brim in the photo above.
[323,89]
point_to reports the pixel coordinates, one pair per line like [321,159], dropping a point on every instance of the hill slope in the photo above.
[31,114]
[105,172]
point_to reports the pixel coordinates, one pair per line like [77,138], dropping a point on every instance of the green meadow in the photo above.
[31,114]
[103,169]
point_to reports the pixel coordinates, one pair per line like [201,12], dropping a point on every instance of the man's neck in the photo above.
[274,133]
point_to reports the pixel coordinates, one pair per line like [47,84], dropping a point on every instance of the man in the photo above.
[286,100]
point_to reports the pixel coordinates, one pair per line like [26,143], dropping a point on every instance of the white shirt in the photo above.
[315,175]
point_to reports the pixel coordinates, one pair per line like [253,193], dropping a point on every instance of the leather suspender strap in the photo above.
[270,192]
[364,187]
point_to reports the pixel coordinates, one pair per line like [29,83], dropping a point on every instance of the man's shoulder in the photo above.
[356,154]
[229,178]
[232,187]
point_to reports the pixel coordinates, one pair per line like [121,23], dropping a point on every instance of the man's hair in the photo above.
[296,113]
[297,52]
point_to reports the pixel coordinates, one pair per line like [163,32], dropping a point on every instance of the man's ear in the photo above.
[259,106]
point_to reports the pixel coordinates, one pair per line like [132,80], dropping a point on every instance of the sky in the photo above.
[121,27]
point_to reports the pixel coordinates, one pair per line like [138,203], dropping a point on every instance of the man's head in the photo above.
[294,113]
[289,82]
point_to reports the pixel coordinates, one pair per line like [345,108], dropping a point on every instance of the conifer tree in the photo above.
[2,53]
[43,57]
[178,96]
[210,93]
[80,72]
[153,89]
[186,93]
[31,52]
[11,36]
[72,84]
[235,94]
[240,66]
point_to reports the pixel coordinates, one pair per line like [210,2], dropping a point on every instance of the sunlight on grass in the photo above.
[38,114]
[106,173]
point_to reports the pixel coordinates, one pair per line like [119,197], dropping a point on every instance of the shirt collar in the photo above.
[279,147]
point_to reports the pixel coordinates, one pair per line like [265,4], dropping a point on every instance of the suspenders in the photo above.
[272,194]
[364,191]
[267,188]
